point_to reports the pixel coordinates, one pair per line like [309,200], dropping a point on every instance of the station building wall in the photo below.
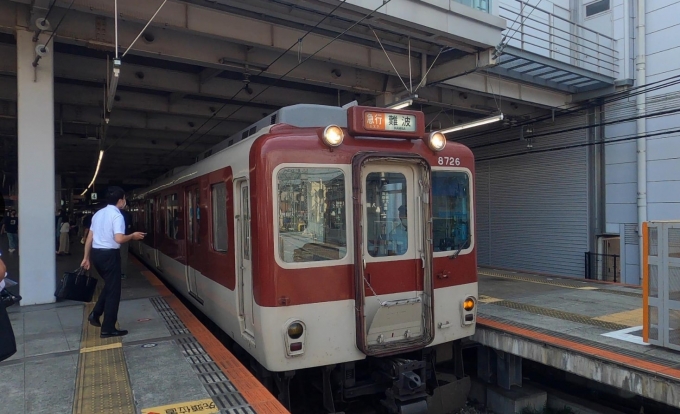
[663,151]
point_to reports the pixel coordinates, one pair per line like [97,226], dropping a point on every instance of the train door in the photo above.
[396,306]
[245,282]
[192,199]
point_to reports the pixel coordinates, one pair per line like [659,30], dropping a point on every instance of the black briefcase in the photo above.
[76,285]
[8,344]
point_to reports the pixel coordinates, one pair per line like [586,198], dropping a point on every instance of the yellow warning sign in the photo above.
[190,407]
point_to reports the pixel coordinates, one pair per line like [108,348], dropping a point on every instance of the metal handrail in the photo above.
[575,58]
[569,40]
[582,51]
[565,20]
[564,31]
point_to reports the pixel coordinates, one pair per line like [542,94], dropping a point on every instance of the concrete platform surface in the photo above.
[63,366]
[590,329]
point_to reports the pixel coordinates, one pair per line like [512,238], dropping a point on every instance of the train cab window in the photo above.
[219,213]
[172,218]
[149,224]
[311,214]
[451,213]
[386,214]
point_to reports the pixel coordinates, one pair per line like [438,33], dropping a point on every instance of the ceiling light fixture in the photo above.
[96,171]
[401,105]
[113,85]
[473,124]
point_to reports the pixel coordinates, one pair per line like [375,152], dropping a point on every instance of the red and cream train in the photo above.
[340,240]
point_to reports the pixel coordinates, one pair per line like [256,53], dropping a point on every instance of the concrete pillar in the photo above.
[37,235]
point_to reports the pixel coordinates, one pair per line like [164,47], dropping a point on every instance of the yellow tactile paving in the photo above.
[488,299]
[102,382]
[101,347]
[628,318]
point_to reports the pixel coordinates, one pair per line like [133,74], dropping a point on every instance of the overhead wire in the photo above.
[384,3]
[568,109]
[282,54]
[44,48]
[585,144]
[582,127]
[503,42]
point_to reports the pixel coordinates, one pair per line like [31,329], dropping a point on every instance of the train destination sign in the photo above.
[379,121]
[364,121]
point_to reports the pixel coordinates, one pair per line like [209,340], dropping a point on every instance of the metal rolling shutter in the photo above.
[533,213]
[482,213]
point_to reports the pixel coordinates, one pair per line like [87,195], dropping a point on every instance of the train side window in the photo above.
[451,211]
[172,217]
[312,217]
[219,213]
[149,217]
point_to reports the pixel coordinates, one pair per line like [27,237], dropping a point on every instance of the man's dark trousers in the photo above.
[107,263]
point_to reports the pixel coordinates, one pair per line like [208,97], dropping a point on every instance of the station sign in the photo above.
[385,122]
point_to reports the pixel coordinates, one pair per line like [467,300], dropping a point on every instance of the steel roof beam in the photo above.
[188,19]
[462,66]
[83,95]
[145,77]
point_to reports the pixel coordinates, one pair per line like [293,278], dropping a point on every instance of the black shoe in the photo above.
[94,321]
[113,333]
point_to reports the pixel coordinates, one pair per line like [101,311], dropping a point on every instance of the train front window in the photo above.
[311,214]
[451,210]
[386,214]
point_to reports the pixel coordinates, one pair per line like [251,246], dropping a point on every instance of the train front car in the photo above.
[362,257]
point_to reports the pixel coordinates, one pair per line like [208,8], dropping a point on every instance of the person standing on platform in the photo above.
[64,239]
[59,220]
[11,227]
[106,235]
[125,246]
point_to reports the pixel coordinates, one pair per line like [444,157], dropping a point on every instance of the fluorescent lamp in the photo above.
[473,124]
[402,104]
[96,171]
[113,85]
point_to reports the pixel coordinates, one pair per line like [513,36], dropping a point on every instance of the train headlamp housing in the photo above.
[333,136]
[295,330]
[436,141]
[468,310]
[294,333]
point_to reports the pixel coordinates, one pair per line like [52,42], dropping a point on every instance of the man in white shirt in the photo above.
[107,233]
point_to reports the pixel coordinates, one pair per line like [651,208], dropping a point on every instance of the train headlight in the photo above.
[294,335]
[333,136]
[436,141]
[295,330]
[468,314]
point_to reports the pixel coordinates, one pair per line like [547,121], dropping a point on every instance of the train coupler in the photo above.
[408,392]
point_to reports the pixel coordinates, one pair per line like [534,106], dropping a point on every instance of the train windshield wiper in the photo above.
[460,247]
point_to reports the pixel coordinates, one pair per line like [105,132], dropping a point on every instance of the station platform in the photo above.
[589,329]
[169,363]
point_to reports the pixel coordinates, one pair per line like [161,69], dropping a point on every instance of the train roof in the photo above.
[300,115]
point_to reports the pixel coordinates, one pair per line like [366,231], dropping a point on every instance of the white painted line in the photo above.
[624,335]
